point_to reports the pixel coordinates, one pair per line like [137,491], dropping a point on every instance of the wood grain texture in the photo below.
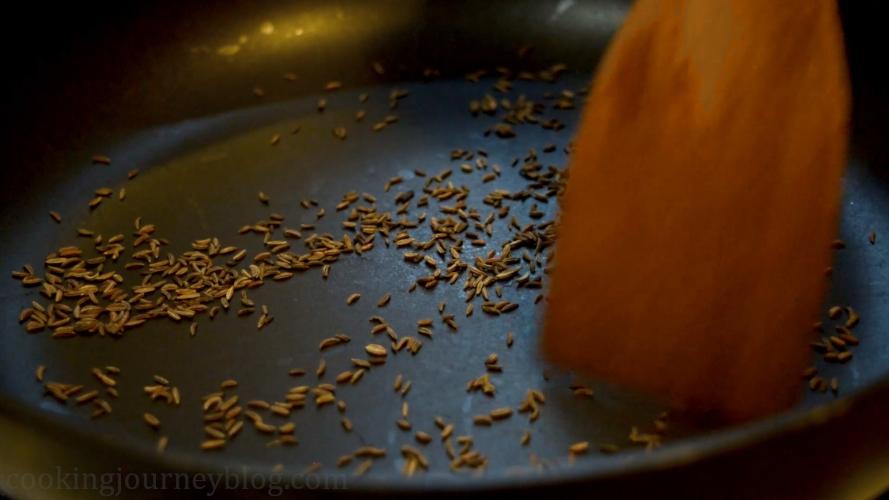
[703,195]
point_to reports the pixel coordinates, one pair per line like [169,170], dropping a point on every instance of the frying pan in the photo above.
[147,85]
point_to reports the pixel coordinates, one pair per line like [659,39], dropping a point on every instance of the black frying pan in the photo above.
[146,85]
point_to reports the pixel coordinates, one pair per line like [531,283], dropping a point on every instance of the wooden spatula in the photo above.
[702,200]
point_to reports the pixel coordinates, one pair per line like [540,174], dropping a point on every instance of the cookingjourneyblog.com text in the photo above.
[121,481]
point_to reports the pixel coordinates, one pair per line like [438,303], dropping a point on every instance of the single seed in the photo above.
[852,318]
[213,444]
[101,159]
[447,431]
[526,438]
[86,397]
[501,413]
[151,420]
[375,350]
[370,451]
[363,467]
[105,379]
[482,420]
[351,299]
[55,216]
[384,300]
[579,448]
[835,312]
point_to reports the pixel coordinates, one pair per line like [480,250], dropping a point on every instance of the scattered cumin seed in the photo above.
[376,350]
[384,300]
[353,298]
[447,431]
[86,397]
[363,467]
[484,420]
[55,216]
[501,413]
[852,317]
[151,420]
[105,379]
[213,444]
[370,451]
[101,159]
[835,312]
[579,448]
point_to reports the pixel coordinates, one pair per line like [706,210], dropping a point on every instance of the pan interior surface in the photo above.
[202,162]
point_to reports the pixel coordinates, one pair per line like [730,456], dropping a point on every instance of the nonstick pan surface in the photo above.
[157,91]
